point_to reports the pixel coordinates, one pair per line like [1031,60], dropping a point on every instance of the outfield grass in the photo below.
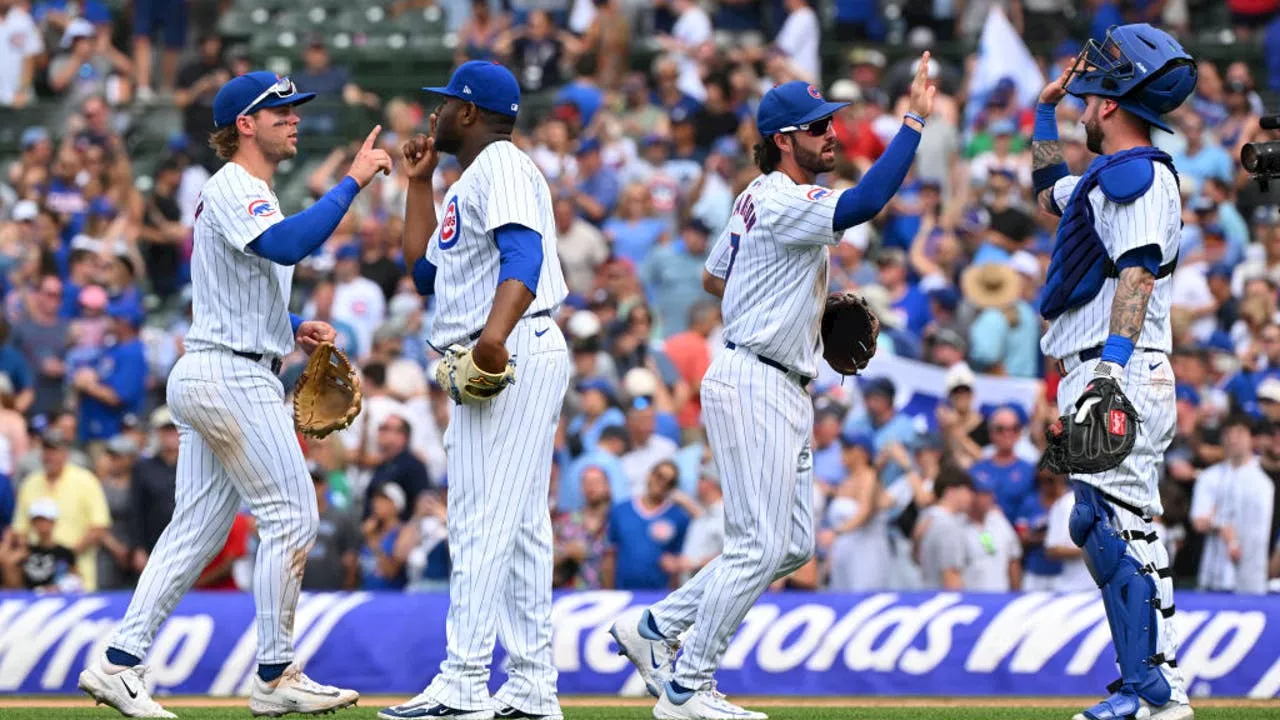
[638,713]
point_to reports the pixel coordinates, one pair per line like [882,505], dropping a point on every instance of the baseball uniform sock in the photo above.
[122,658]
[269,673]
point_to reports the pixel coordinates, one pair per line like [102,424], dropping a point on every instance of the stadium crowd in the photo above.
[644,167]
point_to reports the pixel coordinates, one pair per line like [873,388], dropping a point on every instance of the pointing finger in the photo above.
[373,137]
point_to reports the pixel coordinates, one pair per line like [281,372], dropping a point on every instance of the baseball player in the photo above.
[491,263]
[770,266]
[237,440]
[1107,300]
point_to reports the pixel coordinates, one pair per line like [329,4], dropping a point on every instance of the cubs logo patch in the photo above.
[816,194]
[662,531]
[262,208]
[1118,422]
[449,225]
[815,93]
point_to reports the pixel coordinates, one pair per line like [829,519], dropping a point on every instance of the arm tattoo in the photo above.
[1046,153]
[1129,308]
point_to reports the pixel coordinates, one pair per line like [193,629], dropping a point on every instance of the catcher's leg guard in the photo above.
[1130,599]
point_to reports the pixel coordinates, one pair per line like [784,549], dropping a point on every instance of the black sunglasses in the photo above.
[817,128]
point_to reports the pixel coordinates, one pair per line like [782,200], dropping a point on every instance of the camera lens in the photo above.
[1261,158]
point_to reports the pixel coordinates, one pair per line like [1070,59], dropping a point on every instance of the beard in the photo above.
[447,142]
[1093,136]
[813,161]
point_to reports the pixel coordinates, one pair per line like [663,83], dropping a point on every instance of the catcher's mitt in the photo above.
[327,396]
[1097,437]
[849,333]
[466,383]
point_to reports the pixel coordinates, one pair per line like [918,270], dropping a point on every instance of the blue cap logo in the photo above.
[791,105]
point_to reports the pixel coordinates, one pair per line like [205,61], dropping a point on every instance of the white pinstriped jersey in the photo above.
[240,301]
[1153,219]
[502,186]
[773,258]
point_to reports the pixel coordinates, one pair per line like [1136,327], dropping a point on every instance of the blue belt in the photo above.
[800,379]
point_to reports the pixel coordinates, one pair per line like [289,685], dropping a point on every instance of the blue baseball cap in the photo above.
[252,92]
[487,84]
[1221,270]
[590,144]
[126,309]
[33,135]
[350,251]
[1220,341]
[1184,392]
[859,440]
[791,105]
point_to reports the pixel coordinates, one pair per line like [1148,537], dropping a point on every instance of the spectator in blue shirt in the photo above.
[1271,51]
[635,231]
[597,192]
[672,276]
[381,562]
[1012,477]
[14,364]
[598,404]
[828,456]
[646,535]
[885,425]
[907,299]
[1038,571]
[115,386]
[1202,159]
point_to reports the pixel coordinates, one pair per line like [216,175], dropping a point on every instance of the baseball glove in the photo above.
[849,333]
[466,383]
[1097,437]
[327,396]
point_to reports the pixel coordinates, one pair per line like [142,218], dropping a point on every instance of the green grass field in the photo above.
[809,712]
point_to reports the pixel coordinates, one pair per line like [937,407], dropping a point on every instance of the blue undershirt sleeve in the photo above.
[520,255]
[294,238]
[863,202]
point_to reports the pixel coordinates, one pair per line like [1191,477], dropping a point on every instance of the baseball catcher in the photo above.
[1107,296]
[849,333]
[327,396]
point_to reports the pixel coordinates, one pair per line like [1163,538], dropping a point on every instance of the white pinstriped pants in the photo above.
[1149,384]
[498,457]
[758,425]
[237,443]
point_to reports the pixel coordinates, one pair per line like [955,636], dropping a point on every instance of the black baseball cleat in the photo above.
[509,712]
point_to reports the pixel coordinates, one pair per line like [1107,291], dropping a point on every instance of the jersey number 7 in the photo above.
[734,241]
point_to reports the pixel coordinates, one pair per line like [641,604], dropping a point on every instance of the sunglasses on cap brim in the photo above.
[282,88]
[817,128]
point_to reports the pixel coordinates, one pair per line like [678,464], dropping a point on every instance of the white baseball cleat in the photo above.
[123,688]
[655,660]
[705,704]
[294,692]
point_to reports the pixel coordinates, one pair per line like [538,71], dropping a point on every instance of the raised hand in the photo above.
[420,154]
[370,160]
[922,91]
[1053,93]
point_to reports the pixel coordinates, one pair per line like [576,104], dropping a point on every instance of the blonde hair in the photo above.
[225,142]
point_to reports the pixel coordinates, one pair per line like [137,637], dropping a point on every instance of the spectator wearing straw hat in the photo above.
[1005,337]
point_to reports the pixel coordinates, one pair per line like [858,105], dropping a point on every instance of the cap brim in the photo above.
[294,99]
[823,110]
[441,91]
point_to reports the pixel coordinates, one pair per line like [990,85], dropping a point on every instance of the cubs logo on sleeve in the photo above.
[449,225]
[816,194]
[262,208]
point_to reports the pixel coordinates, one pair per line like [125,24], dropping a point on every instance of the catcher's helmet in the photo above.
[1144,69]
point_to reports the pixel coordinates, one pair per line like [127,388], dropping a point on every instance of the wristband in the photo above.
[1046,126]
[1046,177]
[1118,349]
[295,322]
[915,116]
